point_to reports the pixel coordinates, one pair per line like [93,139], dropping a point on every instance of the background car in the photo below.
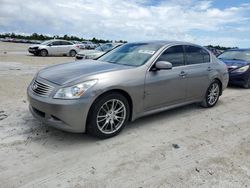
[238,63]
[55,47]
[215,51]
[89,45]
[134,80]
[97,52]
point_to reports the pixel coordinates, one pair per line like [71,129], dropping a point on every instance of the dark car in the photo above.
[238,63]
[215,51]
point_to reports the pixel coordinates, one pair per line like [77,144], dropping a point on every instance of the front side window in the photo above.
[196,55]
[174,55]
[65,43]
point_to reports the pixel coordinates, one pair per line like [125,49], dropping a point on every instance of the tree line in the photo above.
[41,37]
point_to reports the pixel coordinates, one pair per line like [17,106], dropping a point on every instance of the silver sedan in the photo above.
[136,79]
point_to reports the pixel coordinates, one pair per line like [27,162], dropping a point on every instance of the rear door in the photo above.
[66,47]
[198,70]
[166,87]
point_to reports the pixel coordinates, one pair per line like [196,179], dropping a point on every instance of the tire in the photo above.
[44,53]
[72,53]
[212,95]
[247,84]
[103,122]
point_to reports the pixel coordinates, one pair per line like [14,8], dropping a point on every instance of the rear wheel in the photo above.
[212,95]
[43,53]
[72,53]
[108,115]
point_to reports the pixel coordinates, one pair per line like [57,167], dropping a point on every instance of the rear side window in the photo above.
[56,43]
[196,55]
[65,43]
[174,55]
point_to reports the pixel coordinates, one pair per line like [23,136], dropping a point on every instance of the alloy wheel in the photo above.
[111,116]
[213,93]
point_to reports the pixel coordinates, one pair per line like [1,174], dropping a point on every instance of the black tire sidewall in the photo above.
[247,84]
[92,127]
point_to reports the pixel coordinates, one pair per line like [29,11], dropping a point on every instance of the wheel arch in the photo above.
[120,91]
[220,84]
[44,49]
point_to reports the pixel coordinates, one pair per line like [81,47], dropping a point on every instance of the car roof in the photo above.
[238,49]
[163,43]
[53,40]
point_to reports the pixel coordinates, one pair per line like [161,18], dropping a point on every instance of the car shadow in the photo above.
[46,135]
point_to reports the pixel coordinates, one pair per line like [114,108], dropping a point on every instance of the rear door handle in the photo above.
[183,74]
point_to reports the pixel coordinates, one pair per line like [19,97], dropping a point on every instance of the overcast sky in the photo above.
[214,22]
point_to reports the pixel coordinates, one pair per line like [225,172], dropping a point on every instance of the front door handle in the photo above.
[183,74]
[209,69]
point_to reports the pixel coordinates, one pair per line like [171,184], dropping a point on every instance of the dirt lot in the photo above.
[186,147]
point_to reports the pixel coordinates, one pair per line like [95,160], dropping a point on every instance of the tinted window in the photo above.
[65,43]
[174,55]
[56,43]
[196,55]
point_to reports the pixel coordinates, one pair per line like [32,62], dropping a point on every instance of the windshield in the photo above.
[104,47]
[236,55]
[132,54]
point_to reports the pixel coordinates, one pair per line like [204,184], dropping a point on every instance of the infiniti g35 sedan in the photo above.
[136,79]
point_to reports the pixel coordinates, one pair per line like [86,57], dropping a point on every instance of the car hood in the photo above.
[234,63]
[69,72]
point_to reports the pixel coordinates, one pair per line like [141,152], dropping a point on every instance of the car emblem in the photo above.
[35,86]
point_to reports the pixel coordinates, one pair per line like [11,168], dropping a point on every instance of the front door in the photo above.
[166,87]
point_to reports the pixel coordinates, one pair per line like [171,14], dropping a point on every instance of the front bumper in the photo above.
[68,115]
[34,50]
[239,78]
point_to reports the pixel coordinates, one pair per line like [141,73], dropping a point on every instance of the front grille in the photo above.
[42,89]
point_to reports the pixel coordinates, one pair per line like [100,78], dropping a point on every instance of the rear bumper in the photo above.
[68,115]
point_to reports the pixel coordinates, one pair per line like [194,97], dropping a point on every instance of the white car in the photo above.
[97,52]
[55,47]
[89,45]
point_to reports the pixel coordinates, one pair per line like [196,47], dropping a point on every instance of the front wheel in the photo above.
[108,115]
[44,53]
[212,95]
[247,84]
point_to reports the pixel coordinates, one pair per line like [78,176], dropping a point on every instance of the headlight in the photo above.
[242,69]
[75,91]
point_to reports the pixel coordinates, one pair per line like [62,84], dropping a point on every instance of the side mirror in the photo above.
[49,45]
[163,65]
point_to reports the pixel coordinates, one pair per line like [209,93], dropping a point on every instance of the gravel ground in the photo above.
[186,147]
